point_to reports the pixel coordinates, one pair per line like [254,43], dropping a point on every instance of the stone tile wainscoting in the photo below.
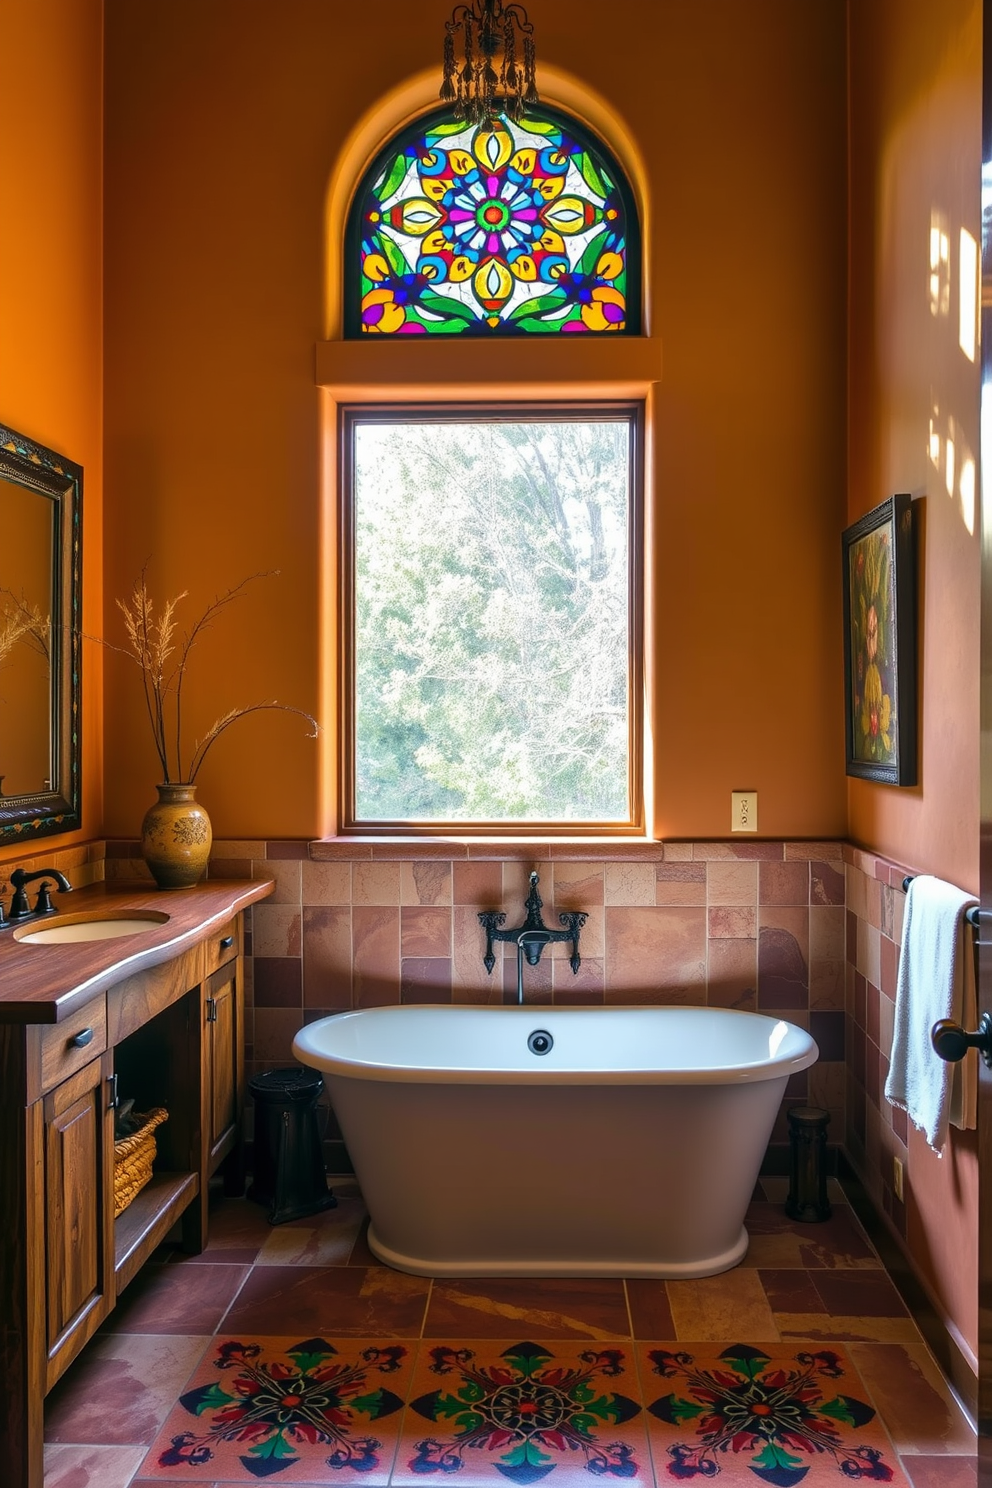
[878,1134]
[354,924]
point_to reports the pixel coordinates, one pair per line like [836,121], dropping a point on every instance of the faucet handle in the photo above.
[43,904]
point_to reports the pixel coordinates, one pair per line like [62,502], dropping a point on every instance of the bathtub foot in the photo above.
[661,1270]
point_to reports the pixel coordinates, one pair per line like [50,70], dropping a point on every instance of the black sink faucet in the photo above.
[19,907]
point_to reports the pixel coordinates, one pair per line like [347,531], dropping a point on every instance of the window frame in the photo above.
[350,415]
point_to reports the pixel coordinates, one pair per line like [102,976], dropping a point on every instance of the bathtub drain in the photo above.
[540,1042]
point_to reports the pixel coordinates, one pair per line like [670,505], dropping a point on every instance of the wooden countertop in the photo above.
[43,983]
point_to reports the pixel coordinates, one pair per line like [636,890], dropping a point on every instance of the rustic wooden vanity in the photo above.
[155,1015]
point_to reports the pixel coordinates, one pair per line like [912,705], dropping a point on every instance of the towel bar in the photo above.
[974,915]
[948,1038]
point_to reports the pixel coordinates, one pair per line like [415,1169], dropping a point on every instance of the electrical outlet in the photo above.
[897,1177]
[744,811]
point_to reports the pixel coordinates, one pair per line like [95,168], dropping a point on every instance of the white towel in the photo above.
[930,986]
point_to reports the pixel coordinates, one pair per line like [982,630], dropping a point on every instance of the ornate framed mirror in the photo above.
[40,574]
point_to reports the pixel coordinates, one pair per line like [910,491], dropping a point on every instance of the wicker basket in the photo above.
[133,1158]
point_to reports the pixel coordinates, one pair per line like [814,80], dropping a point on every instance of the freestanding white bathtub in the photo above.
[630,1148]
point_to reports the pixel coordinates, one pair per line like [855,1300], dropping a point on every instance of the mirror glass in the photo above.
[40,509]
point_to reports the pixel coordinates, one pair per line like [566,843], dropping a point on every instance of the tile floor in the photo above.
[288,1354]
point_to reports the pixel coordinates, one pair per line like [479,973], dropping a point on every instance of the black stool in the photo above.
[288,1168]
[807,1200]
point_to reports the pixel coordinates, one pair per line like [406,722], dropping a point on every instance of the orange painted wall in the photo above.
[223,131]
[51,282]
[916,93]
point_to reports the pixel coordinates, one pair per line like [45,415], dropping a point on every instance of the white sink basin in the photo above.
[68,929]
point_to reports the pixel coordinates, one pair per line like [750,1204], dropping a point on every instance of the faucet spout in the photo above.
[530,943]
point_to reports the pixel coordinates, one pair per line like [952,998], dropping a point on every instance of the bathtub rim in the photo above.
[658,1270]
[338,1066]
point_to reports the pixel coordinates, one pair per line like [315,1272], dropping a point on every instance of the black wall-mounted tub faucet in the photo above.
[532,936]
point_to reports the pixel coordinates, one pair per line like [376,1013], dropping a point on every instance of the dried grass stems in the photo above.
[22,621]
[162,654]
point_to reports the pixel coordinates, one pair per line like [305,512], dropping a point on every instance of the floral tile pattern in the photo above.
[523,1412]
[781,1417]
[305,1411]
[279,1355]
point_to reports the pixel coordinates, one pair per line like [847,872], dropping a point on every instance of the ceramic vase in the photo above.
[176,837]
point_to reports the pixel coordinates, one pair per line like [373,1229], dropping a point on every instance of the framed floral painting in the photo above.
[880,644]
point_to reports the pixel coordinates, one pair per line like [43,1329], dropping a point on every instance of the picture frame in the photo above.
[879,553]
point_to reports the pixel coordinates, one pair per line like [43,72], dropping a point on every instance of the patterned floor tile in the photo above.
[122,1389]
[484,1412]
[552,1307]
[292,1410]
[780,1415]
[360,1302]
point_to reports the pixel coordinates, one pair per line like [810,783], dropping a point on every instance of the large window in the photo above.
[491,608]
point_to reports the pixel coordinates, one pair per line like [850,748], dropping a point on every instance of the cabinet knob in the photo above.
[82,1038]
[227,942]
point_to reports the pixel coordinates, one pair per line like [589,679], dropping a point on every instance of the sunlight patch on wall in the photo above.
[968,294]
[940,264]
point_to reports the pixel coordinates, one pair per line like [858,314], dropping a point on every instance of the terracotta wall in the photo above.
[51,283]
[916,91]
[223,132]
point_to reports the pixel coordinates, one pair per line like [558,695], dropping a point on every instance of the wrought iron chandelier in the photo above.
[496,74]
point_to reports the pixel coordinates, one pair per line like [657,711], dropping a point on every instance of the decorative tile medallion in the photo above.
[530,1411]
[303,1412]
[781,1418]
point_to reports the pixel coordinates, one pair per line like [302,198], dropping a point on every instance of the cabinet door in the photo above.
[79,1211]
[223,1076]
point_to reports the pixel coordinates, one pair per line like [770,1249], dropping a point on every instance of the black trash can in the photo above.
[288,1168]
[807,1200]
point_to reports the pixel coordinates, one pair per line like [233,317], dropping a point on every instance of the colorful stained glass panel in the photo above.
[519,227]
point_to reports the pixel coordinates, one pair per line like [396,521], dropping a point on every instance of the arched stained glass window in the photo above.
[527,227]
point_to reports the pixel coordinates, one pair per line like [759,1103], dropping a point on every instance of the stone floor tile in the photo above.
[325,1239]
[121,1390]
[650,1310]
[547,1307]
[347,1300]
[908,1389]
[941,1472]
[867,1294]
[176,1299]
[730,1306]
[73,1466]
[822,1327]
